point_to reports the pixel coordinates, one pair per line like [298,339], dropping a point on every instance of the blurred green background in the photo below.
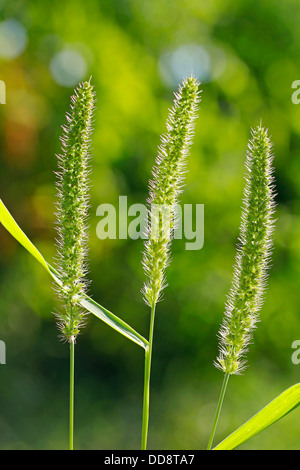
[246,55]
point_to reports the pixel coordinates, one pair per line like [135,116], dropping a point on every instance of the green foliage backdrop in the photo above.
[246,54]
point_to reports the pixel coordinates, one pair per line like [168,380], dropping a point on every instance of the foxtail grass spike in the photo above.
[168,173]
[72,185]
[253,255]
[168,176]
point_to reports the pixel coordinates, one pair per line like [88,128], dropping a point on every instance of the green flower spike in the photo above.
[253,254]
[165,188]
[168,175]
[72,206]
[252,260]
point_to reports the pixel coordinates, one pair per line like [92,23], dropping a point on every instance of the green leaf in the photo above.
[113,321]
[275,410]
[12,227]
[85,301]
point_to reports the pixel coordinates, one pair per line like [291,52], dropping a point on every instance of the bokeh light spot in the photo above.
[68,67]
[13,39]
[182,62]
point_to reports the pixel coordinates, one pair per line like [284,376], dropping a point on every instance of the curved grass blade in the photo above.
[13,228]
[113,321]
[275,410]
[105,315]
[89,304]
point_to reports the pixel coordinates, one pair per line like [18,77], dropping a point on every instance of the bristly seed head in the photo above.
[72,185]
[168,174]
[253,254]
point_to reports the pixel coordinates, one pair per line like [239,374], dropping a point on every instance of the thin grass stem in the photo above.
[71,417]
[218,411]
[146,399]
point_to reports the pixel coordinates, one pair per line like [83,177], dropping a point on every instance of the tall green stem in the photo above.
[148,356]
[218,411]
[71,427]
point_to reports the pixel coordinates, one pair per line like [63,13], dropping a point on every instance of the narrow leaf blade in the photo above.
[89,304]
[13,228]
[113,321]
[274,411]
[105,315]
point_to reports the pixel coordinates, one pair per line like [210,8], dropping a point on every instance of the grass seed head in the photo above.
[168,177]
[72,205]
[253,254]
